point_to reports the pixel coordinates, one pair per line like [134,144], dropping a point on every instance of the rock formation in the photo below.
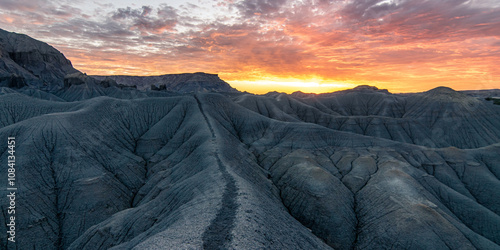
[179,83]
[27,62]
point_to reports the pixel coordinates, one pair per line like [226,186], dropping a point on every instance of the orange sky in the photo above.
[283,45]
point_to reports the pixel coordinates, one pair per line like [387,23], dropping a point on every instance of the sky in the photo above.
[276,45]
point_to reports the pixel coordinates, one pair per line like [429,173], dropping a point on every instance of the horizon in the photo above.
[285,46]
[300,91]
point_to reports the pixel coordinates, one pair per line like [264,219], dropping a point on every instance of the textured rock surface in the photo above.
[103,167]
[437,118]
[193,171]
[27,62]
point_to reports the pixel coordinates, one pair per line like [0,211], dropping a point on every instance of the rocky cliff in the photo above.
[27,62]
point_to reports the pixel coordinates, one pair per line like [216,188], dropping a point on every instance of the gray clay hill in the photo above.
[191,163]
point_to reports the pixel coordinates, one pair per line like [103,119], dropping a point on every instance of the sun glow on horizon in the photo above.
[290,85]
[287,46]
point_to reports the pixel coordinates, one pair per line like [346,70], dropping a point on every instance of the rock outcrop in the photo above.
[25,61]
[179,83]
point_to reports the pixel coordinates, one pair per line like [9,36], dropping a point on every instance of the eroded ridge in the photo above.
[218,233]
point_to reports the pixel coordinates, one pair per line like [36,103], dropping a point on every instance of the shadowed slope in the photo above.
[27,62]
[438,118]
[127,173]
[203,171]
[305,161]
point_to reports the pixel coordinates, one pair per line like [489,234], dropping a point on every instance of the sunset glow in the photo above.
[276,45]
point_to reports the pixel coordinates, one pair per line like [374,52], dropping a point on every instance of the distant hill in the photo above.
[26,62]
[485,93]
[181,83]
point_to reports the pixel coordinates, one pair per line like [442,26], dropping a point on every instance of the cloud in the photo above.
[143,20]
[39,10]
[385,41]
[25,5]
[250,8]
[423,20]
[124,13]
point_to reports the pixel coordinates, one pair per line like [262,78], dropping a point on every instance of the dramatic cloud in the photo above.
[259,7]
[143,19]
[402,45]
